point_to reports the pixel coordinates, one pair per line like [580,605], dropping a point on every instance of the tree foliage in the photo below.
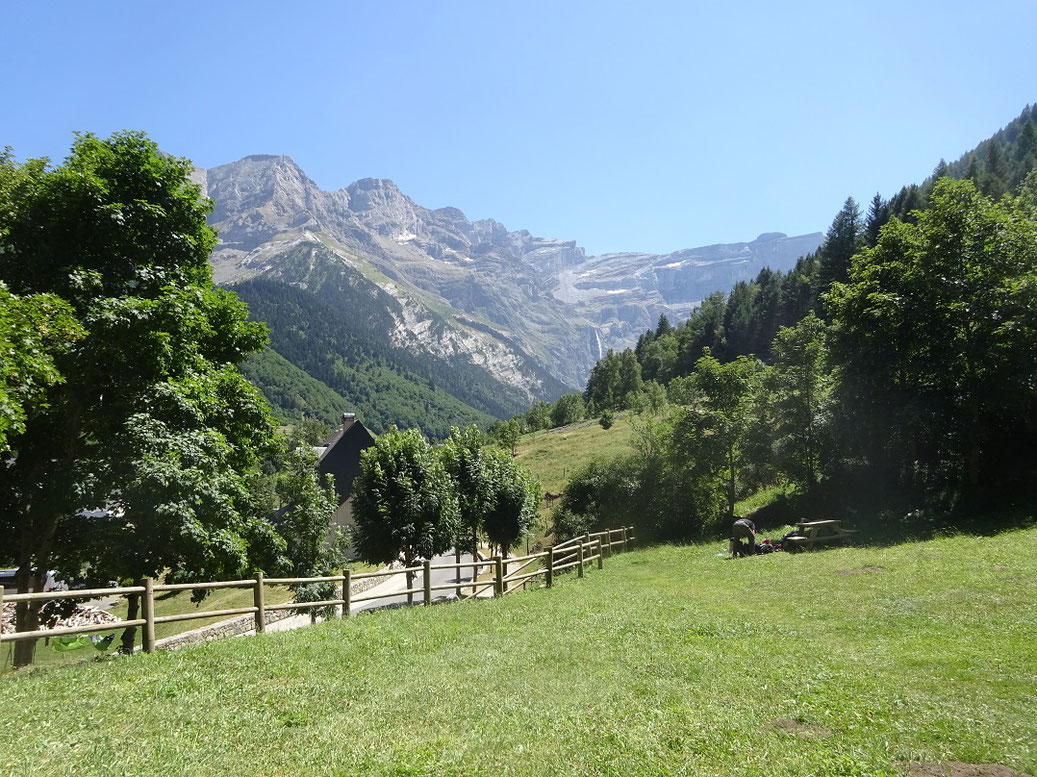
[799,386]
[471,472]
[515,497]
[713,433]
[937,328]
[901,352]
[404,504]
[33,330]
[152,421]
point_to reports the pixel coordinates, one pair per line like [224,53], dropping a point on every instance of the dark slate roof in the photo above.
[341,457]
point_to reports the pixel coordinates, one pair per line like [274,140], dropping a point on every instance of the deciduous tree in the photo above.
[516,494]
[404,504]
[936,330]
[468,465]
[153,420]
[711,434]
[33,330]
[799,388]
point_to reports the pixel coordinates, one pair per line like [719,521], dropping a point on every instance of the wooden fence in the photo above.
[504,578]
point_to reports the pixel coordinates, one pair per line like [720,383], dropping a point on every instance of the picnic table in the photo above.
[812,533]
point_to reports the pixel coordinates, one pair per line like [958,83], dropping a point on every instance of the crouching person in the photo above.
[743,529]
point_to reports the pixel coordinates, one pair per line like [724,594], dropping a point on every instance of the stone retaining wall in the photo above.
[244,624]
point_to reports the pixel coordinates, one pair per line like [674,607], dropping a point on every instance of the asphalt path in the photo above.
[389,591]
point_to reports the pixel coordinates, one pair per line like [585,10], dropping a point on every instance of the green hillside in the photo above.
[329,343]
[293,393]
[670,661]
[333,322]
[553,455]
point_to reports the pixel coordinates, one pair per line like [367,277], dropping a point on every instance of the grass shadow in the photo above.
[885,513]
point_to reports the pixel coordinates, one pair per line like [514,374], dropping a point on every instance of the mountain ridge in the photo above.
[521,317]
[465,264]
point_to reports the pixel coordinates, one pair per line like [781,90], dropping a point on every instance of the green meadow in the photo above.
[669,661]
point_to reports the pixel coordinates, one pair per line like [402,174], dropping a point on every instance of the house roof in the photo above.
[341,455]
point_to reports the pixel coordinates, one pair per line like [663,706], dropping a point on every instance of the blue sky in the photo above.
[625,126]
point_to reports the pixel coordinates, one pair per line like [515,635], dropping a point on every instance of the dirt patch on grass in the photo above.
[959,769]
[799,729]
[861,571]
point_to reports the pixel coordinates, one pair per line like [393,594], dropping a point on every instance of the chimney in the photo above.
[348,418]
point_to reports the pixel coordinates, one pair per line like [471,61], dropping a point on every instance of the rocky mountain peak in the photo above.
[545,295]
[373,193]
[257,181]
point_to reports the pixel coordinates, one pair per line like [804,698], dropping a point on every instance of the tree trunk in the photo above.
[408,561]
[129,635]
[26,616]
[972,465]
[731,486]
[38,527]
[475,559]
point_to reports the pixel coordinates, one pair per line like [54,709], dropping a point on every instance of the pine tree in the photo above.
[630,381]
[878,214]
[766,309]
[994,173]
[663,326]
[843,240]
[972,171]
[1026,143]
[738,321]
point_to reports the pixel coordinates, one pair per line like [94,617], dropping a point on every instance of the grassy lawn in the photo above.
[554,454]
[670,661]
[761,498]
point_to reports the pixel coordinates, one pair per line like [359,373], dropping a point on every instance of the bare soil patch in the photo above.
[799,729]
[861,571]
[959,769]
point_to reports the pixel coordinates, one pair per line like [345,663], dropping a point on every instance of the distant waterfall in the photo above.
[596,345]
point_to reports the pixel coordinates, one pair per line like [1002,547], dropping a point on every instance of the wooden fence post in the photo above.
[426,575]
[608,538]
[625,547]
[498,584]
[601,555]
[148,605]
[631,528]
[579,559]
[347,593]
[550,566]
[457,560]
[259,603]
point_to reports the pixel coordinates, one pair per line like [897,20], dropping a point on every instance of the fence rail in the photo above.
[575,553]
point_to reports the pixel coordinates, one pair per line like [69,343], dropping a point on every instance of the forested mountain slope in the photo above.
[329,344]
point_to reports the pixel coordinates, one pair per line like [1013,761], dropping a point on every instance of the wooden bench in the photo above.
[818,532]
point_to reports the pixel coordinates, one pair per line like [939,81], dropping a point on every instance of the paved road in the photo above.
[388,589]
[389,596]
